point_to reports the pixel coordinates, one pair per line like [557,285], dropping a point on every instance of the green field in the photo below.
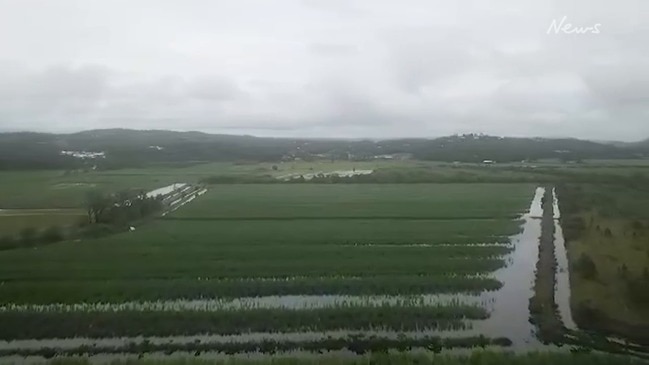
[261,240]
[452,201]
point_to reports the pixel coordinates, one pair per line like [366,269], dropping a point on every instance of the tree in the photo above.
[96,204]
[586,266]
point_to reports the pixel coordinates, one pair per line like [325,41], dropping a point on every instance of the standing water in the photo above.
[511,316]
[562,287]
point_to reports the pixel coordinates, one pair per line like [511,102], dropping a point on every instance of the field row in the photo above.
[358,344]
[117,291]
[151,262]
[37,325]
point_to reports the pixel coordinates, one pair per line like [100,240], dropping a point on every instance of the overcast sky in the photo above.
[327,68]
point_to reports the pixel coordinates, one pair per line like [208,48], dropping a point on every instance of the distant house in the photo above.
[488,162]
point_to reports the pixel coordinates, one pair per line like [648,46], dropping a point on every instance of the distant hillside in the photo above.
[124,147]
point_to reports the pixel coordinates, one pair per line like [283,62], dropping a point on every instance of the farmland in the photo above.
[251,242]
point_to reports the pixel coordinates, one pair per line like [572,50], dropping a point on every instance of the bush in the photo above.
[8,242]
[638,291]
[98,230]
[585,266]
[28,236]
[52,234]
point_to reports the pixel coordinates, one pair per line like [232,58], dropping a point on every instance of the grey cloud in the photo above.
[332,49]
[365,68]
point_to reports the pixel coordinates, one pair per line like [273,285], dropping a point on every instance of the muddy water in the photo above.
[276,301]
[562,286]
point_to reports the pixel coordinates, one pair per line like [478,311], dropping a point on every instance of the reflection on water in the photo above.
[562,286]
[510,315]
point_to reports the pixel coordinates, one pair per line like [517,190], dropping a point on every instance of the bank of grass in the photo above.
[115,291]
[607,230]
[543,308]
[477,357]
[39,325]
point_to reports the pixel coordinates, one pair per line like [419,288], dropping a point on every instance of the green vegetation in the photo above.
[435,201]
[90,291]
[543,308]
[38,324]
[159,258]
[358,344]
[606,235]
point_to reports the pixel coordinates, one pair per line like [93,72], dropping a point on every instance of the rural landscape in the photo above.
[324,182]
[323,255]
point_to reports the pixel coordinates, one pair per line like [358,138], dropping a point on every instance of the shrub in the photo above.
[586,267]
[28,236]
[98,230]
[8,242]
[52,234]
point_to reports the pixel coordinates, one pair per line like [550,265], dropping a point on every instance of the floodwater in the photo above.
[182,201]
[164,190]
[510,315]
[508,306]
[562,286]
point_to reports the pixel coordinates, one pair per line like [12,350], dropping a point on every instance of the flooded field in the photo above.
[292,289]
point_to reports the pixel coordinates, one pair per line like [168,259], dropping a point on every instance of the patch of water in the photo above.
[165,190]
[510,315]
[293,302]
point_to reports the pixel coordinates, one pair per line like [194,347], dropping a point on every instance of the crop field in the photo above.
[427,250]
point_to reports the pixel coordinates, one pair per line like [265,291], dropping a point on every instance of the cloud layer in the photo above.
[327,68]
